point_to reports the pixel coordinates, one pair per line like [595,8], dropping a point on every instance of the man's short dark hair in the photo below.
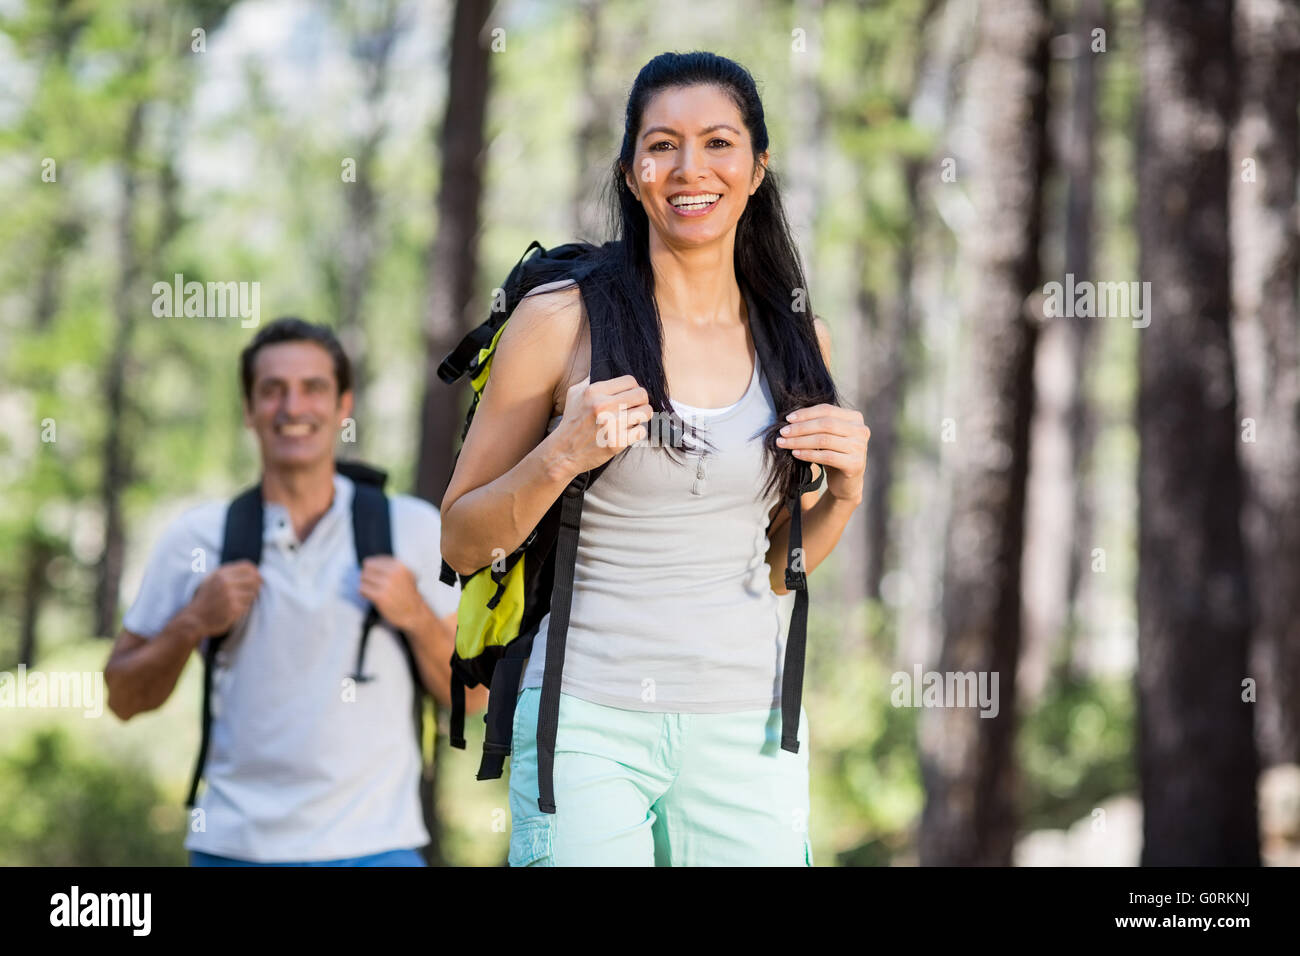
[289,328]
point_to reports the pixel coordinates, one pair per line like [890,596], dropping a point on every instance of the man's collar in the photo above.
[277,529]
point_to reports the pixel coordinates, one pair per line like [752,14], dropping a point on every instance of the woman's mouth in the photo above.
[694,205]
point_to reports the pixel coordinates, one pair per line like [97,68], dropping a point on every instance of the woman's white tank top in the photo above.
[673,609]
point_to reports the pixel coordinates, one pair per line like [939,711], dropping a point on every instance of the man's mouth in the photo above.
[295,429]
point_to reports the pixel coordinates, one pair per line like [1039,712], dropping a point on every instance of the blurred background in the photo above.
[1102,507]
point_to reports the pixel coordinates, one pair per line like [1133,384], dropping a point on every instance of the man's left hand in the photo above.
[389,585]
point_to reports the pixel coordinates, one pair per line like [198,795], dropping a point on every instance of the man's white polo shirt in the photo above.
[303,764]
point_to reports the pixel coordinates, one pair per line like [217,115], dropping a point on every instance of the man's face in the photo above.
[295,407]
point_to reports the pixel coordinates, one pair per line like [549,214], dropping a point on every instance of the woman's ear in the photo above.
[760,170]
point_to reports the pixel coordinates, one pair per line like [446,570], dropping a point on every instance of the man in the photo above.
[305,765]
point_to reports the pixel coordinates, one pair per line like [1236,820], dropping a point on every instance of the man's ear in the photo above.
[346,403]
[248,414]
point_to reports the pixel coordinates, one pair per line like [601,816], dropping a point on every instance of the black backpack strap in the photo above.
[500,717]
[795,580]
[797,639]
[241,541]
[447,575]
[548,716]
[459,360]
[566,555]
[456,732]
[372,534]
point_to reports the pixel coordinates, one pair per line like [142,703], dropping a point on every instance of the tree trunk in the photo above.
[1081,166]
[35,585]
[453,263]
[590,143]
[115,463]
[372,44]
[966,762]
[1196,750]
[1265,260]
[453,268]
[1059,523]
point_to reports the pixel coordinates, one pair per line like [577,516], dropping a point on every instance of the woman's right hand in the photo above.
[600,420]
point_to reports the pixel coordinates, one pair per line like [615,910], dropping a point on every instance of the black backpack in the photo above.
[509,601]
[371,535]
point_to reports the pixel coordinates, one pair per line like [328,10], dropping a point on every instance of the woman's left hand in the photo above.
[835,438]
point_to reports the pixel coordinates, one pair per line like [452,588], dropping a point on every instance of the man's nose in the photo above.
[294,402]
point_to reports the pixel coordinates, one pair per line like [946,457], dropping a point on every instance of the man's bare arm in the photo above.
[141,674]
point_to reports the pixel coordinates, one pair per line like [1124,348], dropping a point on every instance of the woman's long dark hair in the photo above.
[766,261]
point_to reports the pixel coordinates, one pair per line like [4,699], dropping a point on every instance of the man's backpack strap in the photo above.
[241,541]
[372,534]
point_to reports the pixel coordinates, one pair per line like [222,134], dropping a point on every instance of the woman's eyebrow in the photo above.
[707,129]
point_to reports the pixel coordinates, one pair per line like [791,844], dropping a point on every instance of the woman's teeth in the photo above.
[695,202]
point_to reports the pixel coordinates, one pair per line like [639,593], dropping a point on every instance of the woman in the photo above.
[669,715]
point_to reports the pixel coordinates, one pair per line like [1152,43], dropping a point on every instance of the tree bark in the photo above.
[590,143]
[1081,169]
[453,267]
[115,463]
[1059,524]
[884,376]
[40,550]
[1265,262]
[372,43]
[1196,751]
[453,263]
[967,759]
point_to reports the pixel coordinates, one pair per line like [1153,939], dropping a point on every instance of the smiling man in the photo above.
[307,764]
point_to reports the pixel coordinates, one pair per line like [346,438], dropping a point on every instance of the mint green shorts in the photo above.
[635,788]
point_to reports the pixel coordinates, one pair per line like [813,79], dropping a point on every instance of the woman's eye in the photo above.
[655,147]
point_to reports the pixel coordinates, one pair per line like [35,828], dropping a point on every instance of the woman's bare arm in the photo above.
[824,516]
[510,471]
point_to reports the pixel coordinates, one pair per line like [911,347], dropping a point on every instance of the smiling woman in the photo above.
[671,735]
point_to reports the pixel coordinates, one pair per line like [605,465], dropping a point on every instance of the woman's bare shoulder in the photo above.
[546,335]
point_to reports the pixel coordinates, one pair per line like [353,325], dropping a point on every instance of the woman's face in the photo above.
[691,142]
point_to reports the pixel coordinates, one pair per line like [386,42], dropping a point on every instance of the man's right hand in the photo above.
[225,596]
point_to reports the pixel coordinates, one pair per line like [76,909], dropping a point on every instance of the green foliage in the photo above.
[1075,750]
[60,806]
[866,784]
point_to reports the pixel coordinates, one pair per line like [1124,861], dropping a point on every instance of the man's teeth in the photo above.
[695,202]
[295,431]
